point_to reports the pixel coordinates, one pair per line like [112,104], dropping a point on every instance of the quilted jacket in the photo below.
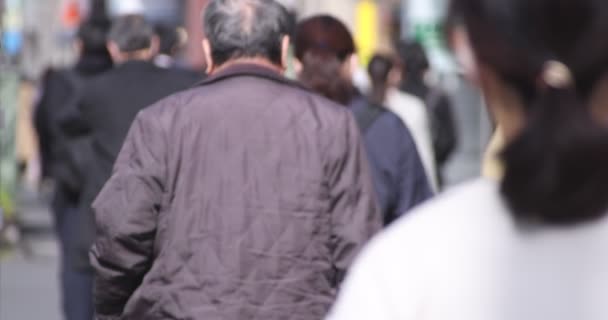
[244,198]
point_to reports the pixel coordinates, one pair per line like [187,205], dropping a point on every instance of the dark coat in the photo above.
[57,90]
[245,198]
[60,92]
[108,104]
[399,177]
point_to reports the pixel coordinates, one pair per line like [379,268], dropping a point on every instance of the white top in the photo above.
[414,114]
[462,257]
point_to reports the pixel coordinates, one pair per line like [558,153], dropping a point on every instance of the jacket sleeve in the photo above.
[355,214]
[43,122]
[126,217]
[412,182]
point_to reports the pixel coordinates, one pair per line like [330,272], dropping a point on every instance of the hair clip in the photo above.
[557,75]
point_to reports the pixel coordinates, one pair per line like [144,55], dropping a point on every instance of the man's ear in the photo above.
[297,66]
[115,52]
[154,46]
[395,76]
[208,56]
[285,43]
[350,65]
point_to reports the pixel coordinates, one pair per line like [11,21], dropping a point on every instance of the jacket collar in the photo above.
[136,65]
[249,70]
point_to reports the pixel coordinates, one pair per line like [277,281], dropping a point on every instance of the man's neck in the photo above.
[261,62]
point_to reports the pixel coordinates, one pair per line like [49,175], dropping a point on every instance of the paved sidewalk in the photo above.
[29,284]
[29,289]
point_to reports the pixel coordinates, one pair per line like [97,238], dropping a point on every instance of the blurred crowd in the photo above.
[239,192]
[126,64]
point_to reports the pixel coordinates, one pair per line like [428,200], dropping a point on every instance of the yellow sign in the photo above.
[366,29]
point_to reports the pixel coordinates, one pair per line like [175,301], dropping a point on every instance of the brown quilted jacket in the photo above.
[245,198]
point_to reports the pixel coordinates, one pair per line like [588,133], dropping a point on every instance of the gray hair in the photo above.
[246,29]
[131,33]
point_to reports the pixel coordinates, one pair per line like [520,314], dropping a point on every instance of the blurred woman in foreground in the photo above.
[326,51]
[533,247]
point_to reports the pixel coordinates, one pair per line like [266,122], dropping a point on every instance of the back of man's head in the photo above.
[416,62]
[246,29]
[131,33]
[93,35]
[379,69]
[169,37]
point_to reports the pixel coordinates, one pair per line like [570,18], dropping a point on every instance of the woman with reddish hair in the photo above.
[327,59]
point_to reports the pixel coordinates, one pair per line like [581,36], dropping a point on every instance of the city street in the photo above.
[28,276]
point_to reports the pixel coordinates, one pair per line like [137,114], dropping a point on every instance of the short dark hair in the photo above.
[169,38]
[131,33]
[324,35]
[379,68]
[93,35]
[246,29]
[555,168]
[415,60]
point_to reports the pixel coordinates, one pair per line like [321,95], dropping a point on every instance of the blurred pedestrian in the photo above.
[171,40]
[60,89]
[246,197]
[106,109]
[416,81]
[385,75]
[534,245]
[326,52]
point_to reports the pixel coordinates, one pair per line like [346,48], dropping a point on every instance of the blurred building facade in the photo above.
[48,28]
[376,24]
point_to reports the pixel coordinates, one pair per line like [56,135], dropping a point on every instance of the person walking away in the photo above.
[533,245]
[107,107]
[415,81]
[60,89]
[171,40]
[234,206]
[326,53]
[385,76]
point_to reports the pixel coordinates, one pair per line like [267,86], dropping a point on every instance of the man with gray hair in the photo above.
[246,197]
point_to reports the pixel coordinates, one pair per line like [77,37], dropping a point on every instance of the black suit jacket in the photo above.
[108,105]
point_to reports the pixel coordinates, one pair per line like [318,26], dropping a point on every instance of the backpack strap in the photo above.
[368,116]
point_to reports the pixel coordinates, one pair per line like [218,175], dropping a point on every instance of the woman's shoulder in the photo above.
[391,120]
[465,209]
[420,251]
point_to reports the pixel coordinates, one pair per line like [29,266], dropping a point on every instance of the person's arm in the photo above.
[42,123]
[355,214]
[126,215]
[413,185]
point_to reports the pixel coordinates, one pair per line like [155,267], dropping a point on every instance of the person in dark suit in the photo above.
[171,40]
[60,88]
[108,105]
